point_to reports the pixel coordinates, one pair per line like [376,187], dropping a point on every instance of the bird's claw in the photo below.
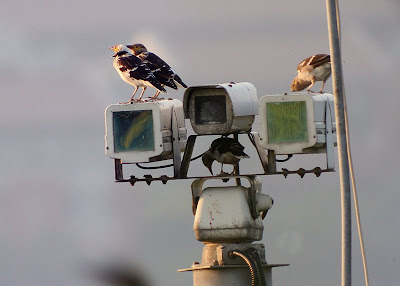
[155,98]
[131,101]
[224,174]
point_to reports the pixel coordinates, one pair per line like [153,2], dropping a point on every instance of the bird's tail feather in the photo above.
[179,81]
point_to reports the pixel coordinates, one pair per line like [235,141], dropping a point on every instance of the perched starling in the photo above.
[161,70]
[133,71]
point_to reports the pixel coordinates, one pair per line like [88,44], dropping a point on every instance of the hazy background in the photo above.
[62,215]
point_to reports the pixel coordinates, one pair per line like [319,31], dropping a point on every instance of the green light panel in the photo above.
[133,131]
[287,122]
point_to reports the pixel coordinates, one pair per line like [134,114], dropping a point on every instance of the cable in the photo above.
[164,166]
[353,182]
[254,271]
[253,141]
[284,160]
[257,258]
[350,159]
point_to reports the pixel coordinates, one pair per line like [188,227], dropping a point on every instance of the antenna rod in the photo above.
[337,81]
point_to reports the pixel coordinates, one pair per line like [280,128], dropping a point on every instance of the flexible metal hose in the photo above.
[254,271]
[258,261]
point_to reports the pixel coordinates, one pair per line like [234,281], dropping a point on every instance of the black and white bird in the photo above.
[310,70]
[133,71]
[162,71]
[224,150]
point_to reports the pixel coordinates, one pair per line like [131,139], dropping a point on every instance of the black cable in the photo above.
[284,160]
[164,166]
[251,137]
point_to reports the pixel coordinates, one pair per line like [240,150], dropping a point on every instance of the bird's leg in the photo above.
[130,99]
[133,94]
[322,88]
[222,170]
[311,85]
[141,95]
[235,167]
[156,94]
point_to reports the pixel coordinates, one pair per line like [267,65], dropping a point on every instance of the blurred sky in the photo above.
[61,214]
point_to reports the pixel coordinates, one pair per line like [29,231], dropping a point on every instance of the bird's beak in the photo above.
[114,49]
[208,161]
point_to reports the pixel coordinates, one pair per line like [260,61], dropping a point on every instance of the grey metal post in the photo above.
[337,80]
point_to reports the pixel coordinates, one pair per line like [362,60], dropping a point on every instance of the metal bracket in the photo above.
[176,148]
[330,152]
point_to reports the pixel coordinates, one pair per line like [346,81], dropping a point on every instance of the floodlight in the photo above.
[142,132]
[222,108]
[297,123]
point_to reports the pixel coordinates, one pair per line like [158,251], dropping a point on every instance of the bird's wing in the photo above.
[158,65]
[314,61]
[128,63]
[138,70]
[224,145]
[161,69]
[179,80]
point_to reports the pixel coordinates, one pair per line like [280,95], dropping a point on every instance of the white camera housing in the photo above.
[229,214]
[221,108]
[142,132]
[297,123]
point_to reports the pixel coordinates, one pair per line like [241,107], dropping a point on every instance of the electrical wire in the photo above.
[351,168]
[286,159]
[353,183]
[253,141]
[164,166]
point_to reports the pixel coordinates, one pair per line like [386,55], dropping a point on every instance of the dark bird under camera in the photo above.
[224,150]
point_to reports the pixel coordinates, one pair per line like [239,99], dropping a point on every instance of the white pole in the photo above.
[337,80]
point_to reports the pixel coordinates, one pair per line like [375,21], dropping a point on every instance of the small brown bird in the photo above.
[161,70]
[224,150]
[310,70]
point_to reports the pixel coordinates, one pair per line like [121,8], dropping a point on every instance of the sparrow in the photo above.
[133,71]
[310,70]
[224,150]
[161,70]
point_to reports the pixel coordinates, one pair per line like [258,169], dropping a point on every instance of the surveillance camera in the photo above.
[222,108]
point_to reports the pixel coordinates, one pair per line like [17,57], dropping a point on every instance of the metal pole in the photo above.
[337,77]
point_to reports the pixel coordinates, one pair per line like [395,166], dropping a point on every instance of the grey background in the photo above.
[62,215]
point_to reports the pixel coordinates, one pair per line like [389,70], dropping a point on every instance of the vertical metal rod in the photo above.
[337,80]
[271,162]
[119,175]
[176,145]
[187,156]
[236,167]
